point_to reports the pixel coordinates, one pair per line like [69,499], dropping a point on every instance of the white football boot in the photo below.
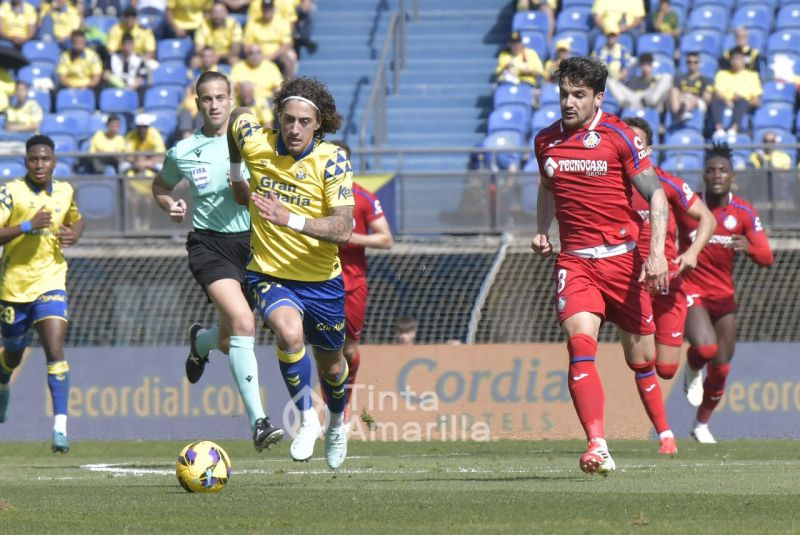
[302,447]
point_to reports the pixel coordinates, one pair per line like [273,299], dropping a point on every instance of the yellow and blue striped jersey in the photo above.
[310,185]
[33,263]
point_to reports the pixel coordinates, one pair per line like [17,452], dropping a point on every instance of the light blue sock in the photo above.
[244,367]
[207,339]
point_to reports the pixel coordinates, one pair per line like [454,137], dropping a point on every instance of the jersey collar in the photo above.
[281,149]
[36,189]
[591,126]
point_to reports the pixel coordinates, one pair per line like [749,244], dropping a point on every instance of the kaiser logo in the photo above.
[730,222]
[550,167]
[591,139]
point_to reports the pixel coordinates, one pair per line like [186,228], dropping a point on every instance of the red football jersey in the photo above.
[353,257]
[590,172]
[713,276]
[680,197]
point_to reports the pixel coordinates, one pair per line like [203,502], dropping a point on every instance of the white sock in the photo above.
[337,419]
[601,442]
[309,415]
[60,423]
[699,424]
[666,434]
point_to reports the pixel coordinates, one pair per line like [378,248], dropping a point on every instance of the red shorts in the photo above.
[717,306]
[669,311]
[355,309]
[608,287]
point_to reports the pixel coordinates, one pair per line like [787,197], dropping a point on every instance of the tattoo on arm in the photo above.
[335,228]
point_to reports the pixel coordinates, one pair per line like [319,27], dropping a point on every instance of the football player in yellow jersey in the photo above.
[301,210]
[38,217]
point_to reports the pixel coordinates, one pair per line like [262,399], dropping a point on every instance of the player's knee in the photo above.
[290,340]
[705,352]
[666,371]
[641,367]
[243,325]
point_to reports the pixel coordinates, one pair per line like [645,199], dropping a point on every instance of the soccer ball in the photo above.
[203,466]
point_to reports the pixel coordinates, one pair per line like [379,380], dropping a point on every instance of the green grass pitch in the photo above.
[428,487]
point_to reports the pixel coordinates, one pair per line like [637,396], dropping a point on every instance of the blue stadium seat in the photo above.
[170,75]
[42,98]
[165,122]
[29,73]
[781,135]
[662,64]
[544,117]
[508,119]
[11,169]
[684,137]
[784,41]
[576,3]
[650,115]
[501,139]
[655,43]
[774,115]
[708,41]
[711,17]
[36,50]
[151,19]
[753,16]
[788,17]
[755,38]
[71,123]
[118,100]
[578,19]
[97,199]
[772,4]
[162,97]
[63,169]
[549,95]
[69,98]
[696,122]
[779,92]
[685,161]
[168,49]
[65,143]
[610,104]
[530,20]
[625,40]
[727,4]
[520,94]
[535,40]
[101,22]
[579,43]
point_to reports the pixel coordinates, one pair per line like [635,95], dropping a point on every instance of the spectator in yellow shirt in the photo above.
[627,15]
[769,157]
[264,74]
[57,21]
[273,34]
[262,108]
[107,141]
[205,60]
[563,51]
[222,33]
[80,66]
[7,83]
[737,89]
[517,64]
[615,55]
[145,138]
[18,21]
[184,17]
[144,41]
[24,115]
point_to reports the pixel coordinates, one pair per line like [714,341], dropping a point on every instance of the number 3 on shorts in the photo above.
[561,278]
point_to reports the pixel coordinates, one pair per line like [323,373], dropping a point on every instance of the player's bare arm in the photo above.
[655,267]
[545,212]
[380,236]
[241,190]
[335,228]
[41,219]
[705,229]
[162,193]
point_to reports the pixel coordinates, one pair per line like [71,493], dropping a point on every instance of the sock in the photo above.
[60,423]
[666,434]
[335,391]
[58,382]
[206,340]
[585,386]
[5,371]
[650,394]
[244,369]
[666,371]
[296,371]
[713,388]
[697,356]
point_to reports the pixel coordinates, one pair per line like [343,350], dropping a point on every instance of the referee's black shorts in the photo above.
[218,255]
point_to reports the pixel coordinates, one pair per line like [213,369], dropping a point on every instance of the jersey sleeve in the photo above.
[169,170]
[244,129]
[338,180]
[73,215]
[631,149]
[6,205]
[759,250]
[679,194]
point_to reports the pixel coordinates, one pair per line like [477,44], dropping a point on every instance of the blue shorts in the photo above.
[16,319]
[320,303]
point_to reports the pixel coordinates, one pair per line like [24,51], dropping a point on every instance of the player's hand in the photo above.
[41,219]
[177,211]
[270,208]
[685,262]
[541,245]
[655,273]
[738,243]
[67,236]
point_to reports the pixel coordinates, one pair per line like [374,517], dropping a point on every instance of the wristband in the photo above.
[26,226]
[296,222]
[236,172]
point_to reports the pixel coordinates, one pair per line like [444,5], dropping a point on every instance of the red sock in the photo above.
[585,386]
[650,394]
[666,371]
[713,388]
[697,356]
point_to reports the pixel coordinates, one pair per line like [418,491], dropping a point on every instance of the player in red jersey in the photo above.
[669,305]
[370,229]
[711,320]
[589,163]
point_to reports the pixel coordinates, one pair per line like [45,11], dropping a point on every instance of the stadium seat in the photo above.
[520,94]
[11,169]
[696,122]
[771,4]
[98,199]
[502,139]
[30,73]
[708,17]
[151,19]
[625,40]
[755,38]
[610,104]
[774,115]
[43,98]
[660,43]
[579,43]
[119,100]
[650,115]
[162,97]
[165,122]
[578,19]
[508,119]
[781,135]
[168,49]
[71,123]
[549,95]
[727,4]
[63,169]
[683,161]
[530,20]
[535,40]
[779,92]
[707,41]
[576,3]
[685,137]
[662,64]
[36,50]
[65,143]
[171,75]
[69,98]
[784,41]
[788,18]
[753,16]
[101,22]
[544,117]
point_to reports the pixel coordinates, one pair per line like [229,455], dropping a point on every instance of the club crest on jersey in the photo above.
[550,167]
[301,172]
[591,139]
[562,303]
[730,222]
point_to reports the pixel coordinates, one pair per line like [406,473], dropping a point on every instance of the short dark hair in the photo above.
[112,117]
[78,33]
[39,139]
[404,324]
[647,58]
[318,93]
[641,124]
[693,54]
[343,145]
[580,70]
[211,76]
[721,150]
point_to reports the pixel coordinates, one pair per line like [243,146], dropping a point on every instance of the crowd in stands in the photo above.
[116,76]
[697,70]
